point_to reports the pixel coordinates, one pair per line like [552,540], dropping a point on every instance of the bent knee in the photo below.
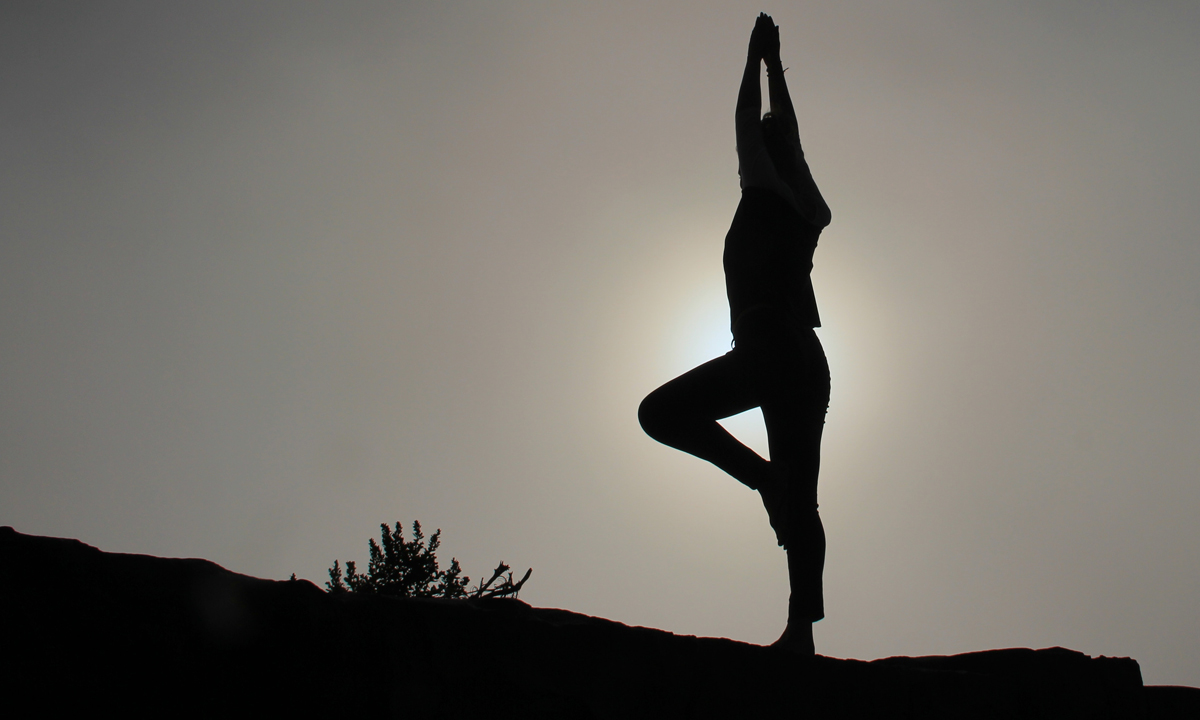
[650,416]
[656,416]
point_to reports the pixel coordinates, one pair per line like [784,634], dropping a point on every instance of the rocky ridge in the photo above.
[88,630]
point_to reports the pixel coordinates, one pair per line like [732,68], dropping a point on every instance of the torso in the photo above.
[768,260]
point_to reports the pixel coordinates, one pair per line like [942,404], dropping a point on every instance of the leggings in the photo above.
[784,372]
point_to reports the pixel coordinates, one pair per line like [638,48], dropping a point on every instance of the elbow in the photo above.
[821,216]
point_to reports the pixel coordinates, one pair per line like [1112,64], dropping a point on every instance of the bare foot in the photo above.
[798,639]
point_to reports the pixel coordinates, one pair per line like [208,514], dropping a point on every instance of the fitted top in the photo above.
[768,260]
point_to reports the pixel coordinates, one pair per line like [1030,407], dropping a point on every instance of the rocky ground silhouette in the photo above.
[88,631]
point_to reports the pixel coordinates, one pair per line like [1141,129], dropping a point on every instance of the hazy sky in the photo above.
[274,273]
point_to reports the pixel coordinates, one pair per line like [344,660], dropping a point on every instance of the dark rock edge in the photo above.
[87,630]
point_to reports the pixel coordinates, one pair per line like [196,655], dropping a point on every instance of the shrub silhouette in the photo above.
[409,568]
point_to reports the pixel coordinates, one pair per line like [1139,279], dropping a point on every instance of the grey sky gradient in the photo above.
[273,273]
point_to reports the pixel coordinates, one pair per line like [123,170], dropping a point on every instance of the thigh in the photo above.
[794,401]
[717,389]
[795,382]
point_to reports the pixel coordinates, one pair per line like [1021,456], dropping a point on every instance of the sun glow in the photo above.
[701,329]
[855,337]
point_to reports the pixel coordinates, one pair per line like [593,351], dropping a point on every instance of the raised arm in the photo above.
[808,197]
[754,165]
[747,115]
[781,100]
[795,183]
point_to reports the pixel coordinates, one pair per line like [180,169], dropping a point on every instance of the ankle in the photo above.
[797,638]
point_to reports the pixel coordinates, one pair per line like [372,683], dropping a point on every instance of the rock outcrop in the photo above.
[87,631]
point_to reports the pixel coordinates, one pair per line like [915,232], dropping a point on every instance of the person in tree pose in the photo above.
[777,362]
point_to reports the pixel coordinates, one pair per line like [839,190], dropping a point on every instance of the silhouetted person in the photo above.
[777,362]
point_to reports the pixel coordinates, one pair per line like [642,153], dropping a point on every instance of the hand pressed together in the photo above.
[764,39]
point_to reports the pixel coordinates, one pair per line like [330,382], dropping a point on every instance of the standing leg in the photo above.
[794,432]
[794,411]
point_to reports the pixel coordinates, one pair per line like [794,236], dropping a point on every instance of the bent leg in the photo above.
[684,412]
